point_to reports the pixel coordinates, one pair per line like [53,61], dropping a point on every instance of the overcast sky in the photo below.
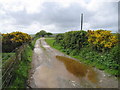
[57,16]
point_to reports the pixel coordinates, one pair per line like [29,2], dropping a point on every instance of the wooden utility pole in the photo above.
[81,21]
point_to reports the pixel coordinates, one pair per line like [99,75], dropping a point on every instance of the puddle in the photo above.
[78,69]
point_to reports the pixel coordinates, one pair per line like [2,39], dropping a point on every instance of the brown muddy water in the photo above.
[78,69]
[87,75]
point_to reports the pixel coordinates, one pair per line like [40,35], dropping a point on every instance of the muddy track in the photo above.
[48,72]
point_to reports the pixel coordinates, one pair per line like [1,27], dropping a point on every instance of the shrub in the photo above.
[75,39]
[102,40]
[72,40]
[12,40]
[59,38]
[115,53]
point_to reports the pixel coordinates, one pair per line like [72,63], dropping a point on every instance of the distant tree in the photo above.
[49,34]
[41,33]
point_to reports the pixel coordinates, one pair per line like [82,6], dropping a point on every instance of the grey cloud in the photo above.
[105,17]
[62,17]
[119,16]
[68,17]
[22,17]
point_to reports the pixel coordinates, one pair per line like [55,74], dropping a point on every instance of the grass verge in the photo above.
[51,41]
[24,66]
[5,56]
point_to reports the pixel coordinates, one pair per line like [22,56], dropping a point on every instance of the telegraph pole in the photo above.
[81,21]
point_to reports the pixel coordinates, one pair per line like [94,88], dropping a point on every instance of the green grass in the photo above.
[102,61]
[51,41]
[7,55]
[33,43]
[49,37]
[22,72]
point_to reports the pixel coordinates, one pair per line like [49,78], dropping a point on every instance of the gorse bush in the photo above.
[12,40]
[16,37]
[102,40]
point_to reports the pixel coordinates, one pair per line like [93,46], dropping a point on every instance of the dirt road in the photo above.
[48,72]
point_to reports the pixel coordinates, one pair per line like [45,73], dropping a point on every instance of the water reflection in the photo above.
[79,69]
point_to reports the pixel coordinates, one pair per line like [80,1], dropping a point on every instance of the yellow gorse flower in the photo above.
[17,37]
[102,38]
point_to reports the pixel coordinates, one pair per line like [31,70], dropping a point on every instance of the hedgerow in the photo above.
[99,48]
[72,40]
